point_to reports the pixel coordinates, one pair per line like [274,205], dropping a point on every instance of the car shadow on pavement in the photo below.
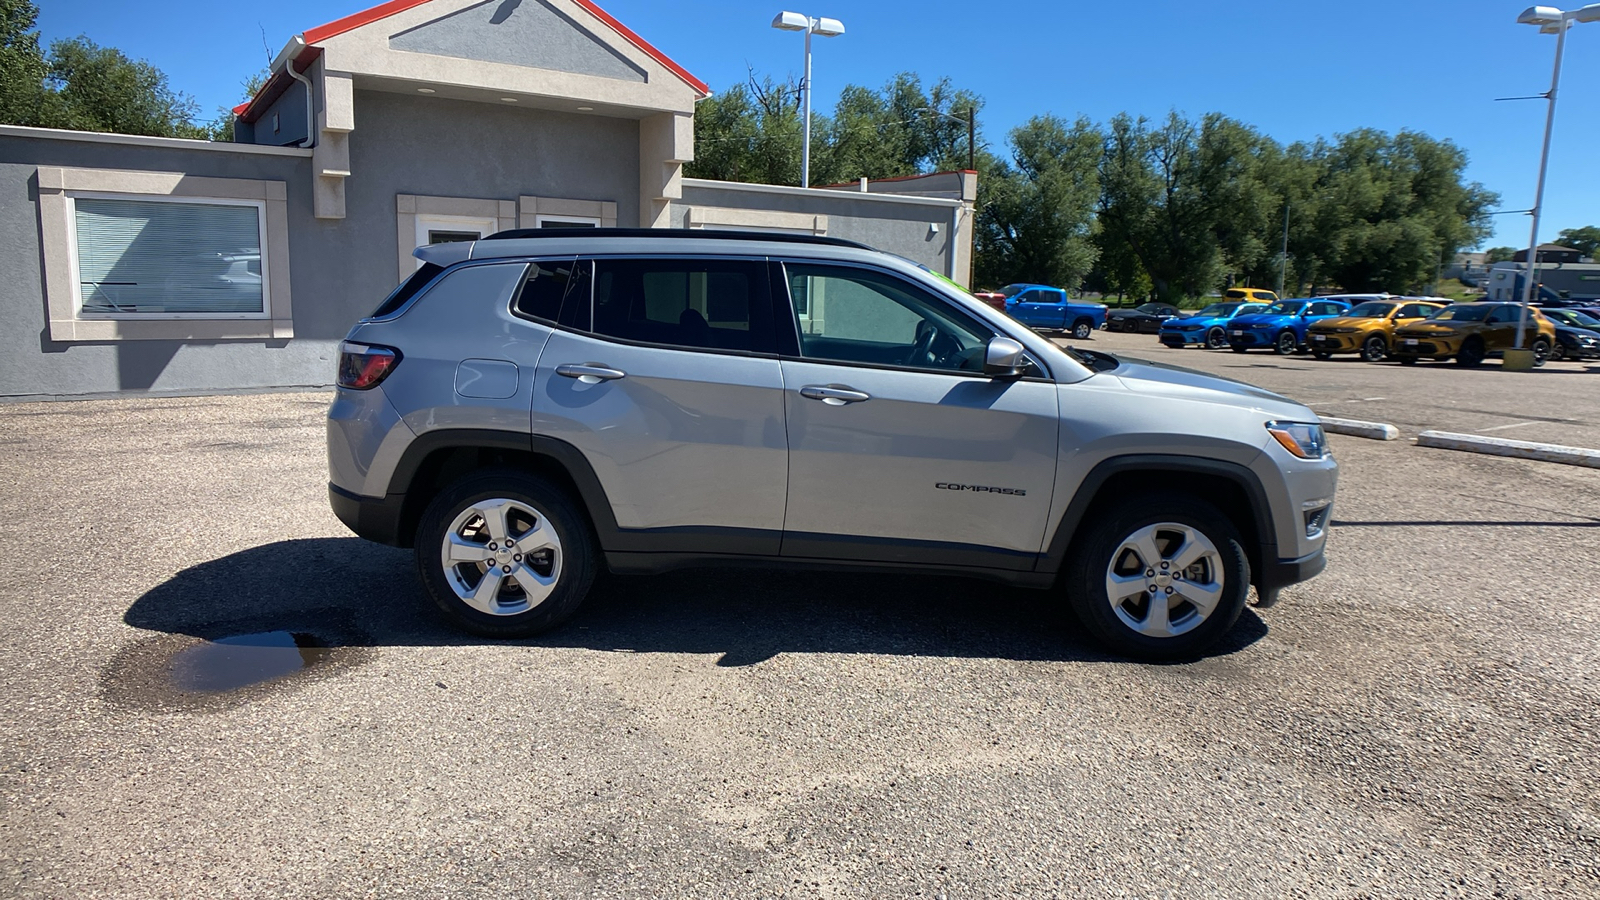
[351,592]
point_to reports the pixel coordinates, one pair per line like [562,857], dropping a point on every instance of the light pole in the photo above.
[792,21]
[1550,21]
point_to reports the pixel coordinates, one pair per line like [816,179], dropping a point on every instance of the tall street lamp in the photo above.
[791,21]
[1550,21]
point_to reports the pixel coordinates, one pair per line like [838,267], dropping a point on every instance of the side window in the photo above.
[702,304]
[1056,297]
[864,316]
[1414,311]
[557,291]
[1325,309]
[1033,296]
[1505,314]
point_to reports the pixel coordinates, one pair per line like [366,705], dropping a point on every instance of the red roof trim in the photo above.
[384,10]
[644,45]
[252,109]
[356,20]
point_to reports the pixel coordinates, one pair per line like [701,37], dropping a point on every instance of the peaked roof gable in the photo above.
[385,10]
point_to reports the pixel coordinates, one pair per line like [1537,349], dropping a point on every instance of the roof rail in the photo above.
[692,234]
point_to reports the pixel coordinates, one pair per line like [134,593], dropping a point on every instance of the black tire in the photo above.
[577,556]
[1541,351]
[1238,349]
[1082,329]
[1471,353]
[1558,352]
[1092,562]
[1285,343]
[1216,338]
[1374,348]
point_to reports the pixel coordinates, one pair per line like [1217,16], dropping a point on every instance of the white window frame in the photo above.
[58,245]
[531,211]
[260,207]
[415,212]
[426,222]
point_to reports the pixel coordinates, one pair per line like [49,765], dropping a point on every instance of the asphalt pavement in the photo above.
[1419,721]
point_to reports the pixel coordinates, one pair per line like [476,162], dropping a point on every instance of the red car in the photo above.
[994,299]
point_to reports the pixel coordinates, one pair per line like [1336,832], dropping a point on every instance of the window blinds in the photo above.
[149,256]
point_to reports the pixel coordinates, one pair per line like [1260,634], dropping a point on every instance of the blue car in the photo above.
[1046,308]
[1282,327]
[1208,327]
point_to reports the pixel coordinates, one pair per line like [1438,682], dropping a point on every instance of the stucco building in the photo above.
[156,264]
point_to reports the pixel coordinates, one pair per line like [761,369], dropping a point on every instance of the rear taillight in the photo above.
[363,366]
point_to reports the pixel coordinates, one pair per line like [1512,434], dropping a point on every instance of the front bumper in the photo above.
[1335,343]
[1182,338]
[1426,347]
[1281,573]
[1249,337]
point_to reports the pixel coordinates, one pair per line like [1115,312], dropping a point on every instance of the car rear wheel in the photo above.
[1160,578]
[1082,329]
[1373,349]
[1541,351]
[1286,343]
[1216,339]
[505,554]
[1471,353]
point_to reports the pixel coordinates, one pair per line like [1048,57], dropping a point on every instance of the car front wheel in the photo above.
[1216,339]
[505,554]
[1160,578]
[1286,344]
[1083,329]
[1541,352]
[1374,349]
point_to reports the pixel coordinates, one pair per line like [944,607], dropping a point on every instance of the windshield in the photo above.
[1011,290]
[1463,313]
[1285,307]
[1371,311]
[1155,308]
[1217,310]
[1583,320]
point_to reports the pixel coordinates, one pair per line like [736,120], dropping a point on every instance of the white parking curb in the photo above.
[1378,431]
[1474,443]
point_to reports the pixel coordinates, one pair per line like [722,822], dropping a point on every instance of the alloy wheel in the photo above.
[501,557]
[1216,338]
[1165,579]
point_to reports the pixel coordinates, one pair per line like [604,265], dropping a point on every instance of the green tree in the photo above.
[1036,213]
[1498,254]
[22,63]
[96,88]
[1585,240]
[221,127]
[750,133]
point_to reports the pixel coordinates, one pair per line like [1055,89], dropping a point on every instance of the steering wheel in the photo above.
[921,349]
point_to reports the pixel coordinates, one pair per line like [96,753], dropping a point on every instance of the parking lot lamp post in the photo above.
[792,21]
[1550,21]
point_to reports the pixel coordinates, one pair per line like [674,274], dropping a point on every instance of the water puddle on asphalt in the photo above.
[239,661]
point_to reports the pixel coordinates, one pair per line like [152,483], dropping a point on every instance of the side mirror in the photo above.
[1002,358]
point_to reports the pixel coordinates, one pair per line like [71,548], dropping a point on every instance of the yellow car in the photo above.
[1368,329]
[1249,295]
[1472,332]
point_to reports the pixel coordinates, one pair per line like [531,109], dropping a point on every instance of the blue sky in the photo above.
[1306,69]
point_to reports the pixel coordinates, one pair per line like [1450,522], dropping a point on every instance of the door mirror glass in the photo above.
[1002,358]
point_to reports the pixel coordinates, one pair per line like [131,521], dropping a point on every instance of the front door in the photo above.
[1038,308]
[900,449]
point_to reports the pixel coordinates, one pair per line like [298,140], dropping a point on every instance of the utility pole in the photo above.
[972,137]
[1283,260]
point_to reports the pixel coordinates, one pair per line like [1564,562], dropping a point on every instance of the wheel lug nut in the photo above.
[1163,565]
[517,558]
[1149,573]
[1169,590]
[493,546]
[506,569]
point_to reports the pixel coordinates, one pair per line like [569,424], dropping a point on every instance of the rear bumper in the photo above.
[374,518]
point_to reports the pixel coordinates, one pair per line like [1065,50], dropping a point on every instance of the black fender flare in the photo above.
[1260,508]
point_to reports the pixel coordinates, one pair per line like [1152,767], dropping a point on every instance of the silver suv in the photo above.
[532,406]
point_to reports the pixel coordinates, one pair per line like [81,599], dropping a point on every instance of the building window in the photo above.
[168,257]
[566,221]
[423,220]
[135,255]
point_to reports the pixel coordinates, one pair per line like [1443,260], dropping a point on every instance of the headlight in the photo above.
[1303,439]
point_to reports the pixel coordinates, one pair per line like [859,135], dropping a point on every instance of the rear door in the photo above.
[900,449]
[669,384]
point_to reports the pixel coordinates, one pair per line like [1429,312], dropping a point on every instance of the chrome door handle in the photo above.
[589,373]
[833,394]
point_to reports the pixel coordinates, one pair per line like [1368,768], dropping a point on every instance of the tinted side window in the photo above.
[1413,311]
[407,289]
[708,304]
[1506,314]
[557,291]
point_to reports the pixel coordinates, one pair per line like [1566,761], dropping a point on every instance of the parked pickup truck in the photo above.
[1045,308]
